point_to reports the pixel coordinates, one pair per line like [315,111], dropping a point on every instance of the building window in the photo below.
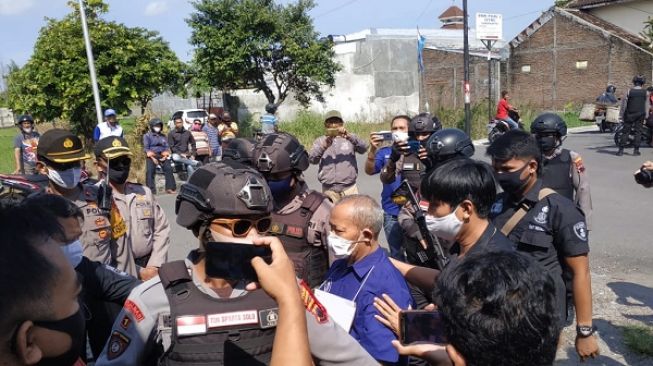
[581,65]
[526,69]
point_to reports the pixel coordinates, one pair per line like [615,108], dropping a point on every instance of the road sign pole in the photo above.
[468,126]
[488,44]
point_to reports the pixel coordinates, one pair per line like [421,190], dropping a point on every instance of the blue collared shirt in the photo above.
[345,281]
[380,159]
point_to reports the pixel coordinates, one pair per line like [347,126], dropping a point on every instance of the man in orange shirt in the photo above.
[503,108]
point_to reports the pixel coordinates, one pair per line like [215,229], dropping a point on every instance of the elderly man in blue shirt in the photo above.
[364,272]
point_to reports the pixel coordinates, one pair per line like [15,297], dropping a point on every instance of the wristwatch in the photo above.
[585,330]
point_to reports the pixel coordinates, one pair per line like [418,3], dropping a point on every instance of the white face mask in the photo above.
[156,129]
[27,129]
[341,247]
[400,136]
[66,178]
[445,227]
[73,252]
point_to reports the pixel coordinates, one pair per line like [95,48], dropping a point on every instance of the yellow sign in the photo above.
[67,143]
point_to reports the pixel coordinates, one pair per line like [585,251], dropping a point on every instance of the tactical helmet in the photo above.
[279,153]
[549,123]
[424,123]
[24,118]
[271,108]
[448,143]
[156,122]
[639,80]
[240,150]
[222,189]
[611,89]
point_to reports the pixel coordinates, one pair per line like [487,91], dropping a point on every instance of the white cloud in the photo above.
[13,7]
[154,8]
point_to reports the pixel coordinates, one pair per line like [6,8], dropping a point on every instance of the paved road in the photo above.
[621,255]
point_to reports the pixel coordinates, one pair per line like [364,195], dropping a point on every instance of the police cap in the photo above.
[112,147]
[61,146]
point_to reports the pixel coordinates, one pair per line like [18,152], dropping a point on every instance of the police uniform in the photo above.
[564,172]
[303,227]
[146,327]
[553,227]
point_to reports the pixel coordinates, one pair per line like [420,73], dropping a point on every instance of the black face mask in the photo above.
[547,143]
[119,170]
[511,182]
[75,327]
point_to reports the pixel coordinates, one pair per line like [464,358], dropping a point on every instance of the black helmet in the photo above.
[424,123]
[222,189]
[240,150]
[279,153]
[549,123]
[271,108]
[639,80]
[24,118]
[156,122]
[611,89]
[449,143]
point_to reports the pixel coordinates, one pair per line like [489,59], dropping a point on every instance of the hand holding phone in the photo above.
[332,132]
[384,135]
[420,326]
[276,277]
[233,261]
[413,146]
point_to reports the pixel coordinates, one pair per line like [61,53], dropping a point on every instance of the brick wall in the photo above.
[443,79]
[552,52]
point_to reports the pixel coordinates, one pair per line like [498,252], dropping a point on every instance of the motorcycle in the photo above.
[646,135]
[19,187]
[606,118]
[497,128]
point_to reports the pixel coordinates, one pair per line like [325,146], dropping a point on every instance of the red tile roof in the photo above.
[452,12]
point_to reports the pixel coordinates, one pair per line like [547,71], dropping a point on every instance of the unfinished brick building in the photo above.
[569,55]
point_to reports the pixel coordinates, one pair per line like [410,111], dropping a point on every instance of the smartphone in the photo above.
[420,326]
[332,132]
[413,146]
[232,261]
[385,135]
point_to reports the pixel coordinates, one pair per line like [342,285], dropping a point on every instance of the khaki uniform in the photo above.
[96,229]
[338,169]
[147,232]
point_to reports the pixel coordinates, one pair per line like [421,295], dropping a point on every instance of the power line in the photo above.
[522,15]
[424,11]
[336,8]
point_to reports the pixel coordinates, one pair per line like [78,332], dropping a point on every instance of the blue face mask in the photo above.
[280,188]
[73,252]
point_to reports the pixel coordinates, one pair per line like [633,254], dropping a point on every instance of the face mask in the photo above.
[75,327]
[547,143]
[197,127]
[156,129]
[341,247]
[66,178]
[446,227]
[27,130]
[280,188]
[399,136]
[73,252]
[511,182]
[120,175]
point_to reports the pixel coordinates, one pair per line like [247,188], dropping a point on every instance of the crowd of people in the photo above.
[500,273]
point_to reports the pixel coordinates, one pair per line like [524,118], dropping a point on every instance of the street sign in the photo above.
[489,26]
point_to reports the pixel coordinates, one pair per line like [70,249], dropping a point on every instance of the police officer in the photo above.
[139,223]
[240,150]
[185,316]
[444,145]
[301,215]
[544,225]
[60,154]
[563,170]
[634,110]
[405,160]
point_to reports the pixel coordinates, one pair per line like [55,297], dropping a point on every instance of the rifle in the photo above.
[433,248]
[104,194]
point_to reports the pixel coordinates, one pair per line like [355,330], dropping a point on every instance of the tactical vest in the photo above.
[555,174]
[311,262]
[412,170]
[206,330]
[636,104]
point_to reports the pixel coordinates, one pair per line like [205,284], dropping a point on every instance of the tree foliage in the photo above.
[262,45]
[132,65]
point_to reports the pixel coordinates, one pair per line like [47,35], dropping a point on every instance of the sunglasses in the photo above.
[241,227]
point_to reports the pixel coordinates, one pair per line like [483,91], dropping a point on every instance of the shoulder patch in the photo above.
[118,343]
[312,304]
[580,167]
[134,310]
[581,230]
[497,207]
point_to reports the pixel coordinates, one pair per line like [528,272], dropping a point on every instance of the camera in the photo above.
[644,177]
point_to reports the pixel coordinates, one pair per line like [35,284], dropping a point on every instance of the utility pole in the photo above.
[488,44]
[91,63]
[468,117]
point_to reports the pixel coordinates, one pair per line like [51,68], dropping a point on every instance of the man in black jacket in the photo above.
[182,145]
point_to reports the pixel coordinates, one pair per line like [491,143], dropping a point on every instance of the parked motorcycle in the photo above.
[497,128]
[646,135]
[20,186]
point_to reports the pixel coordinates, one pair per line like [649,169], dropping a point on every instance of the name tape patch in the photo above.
[232,318]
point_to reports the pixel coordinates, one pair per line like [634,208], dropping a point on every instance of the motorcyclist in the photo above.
[503,110]
[608,97]
[25,144]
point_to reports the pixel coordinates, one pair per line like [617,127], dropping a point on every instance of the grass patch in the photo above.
[7,164]
[639,339]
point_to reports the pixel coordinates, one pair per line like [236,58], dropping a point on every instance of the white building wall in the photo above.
[629,15]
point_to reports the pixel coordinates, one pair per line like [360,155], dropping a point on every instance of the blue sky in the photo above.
[21,20]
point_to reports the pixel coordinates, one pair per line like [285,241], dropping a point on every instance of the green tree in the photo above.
[262,45]
[132,65]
